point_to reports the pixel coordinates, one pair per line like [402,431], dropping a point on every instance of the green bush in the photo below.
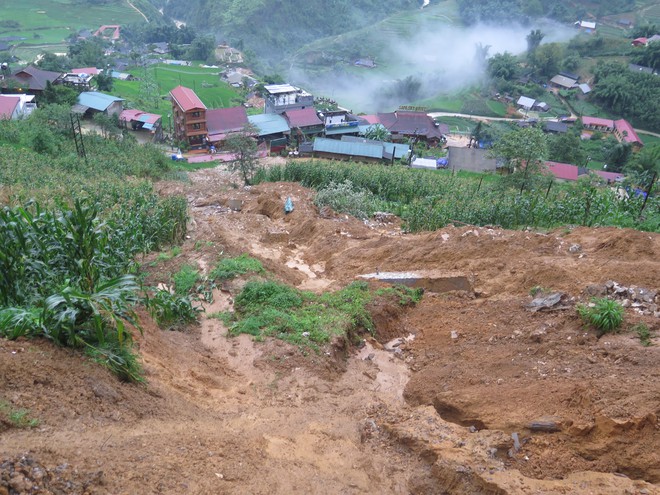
[170,310]
[185,279]
[605,315]
[229,268]
[344,197]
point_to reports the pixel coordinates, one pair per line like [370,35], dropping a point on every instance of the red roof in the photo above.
[609,176]
[92,71]
[139,115]
[8,106]
[225,120]
[639,41]
[563,171]
[627,131]
[305,117]
[187,99]
[371,119]
[598,121]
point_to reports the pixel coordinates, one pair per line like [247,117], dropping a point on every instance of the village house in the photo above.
[31,80]
[391,151]
[346,150]
[138,120]
[339,123]
[16,106]
[586,26]
[188,117]
[91,102]
[80,81]
[304,123]
[565,172]
[222,122]
[563,82]
[272,129]
[621,129]
[281,98]
[404,124]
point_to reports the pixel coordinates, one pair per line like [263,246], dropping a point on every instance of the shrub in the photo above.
[229,268]
[606,315]
[185,279]
[170,310]
[344,197]
[643,333]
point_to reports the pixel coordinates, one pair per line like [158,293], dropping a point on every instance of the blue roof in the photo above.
[348,148]
[269,123]
[399,149]
[97,101]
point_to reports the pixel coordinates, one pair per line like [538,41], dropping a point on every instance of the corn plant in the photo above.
[606,315]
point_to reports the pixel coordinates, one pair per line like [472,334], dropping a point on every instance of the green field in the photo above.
[205,82]
[51,21]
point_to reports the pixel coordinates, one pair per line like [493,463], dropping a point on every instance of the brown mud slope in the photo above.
[478,395]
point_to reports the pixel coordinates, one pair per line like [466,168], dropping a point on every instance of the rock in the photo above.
[516,441]
[592,359]
[454,334]
[546,425]
[575,248]
[19,484]
[545,302]
[104,392]
[595,290]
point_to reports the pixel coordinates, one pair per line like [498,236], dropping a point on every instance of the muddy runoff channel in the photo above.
[449,440]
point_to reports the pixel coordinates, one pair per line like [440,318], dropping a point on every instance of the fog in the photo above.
[440,56]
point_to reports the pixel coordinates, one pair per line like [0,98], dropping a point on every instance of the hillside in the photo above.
[274,29]
[426,405]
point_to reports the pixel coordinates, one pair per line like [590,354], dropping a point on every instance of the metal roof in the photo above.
[187,99]
[563,81]
[269,123]
[399,149]
[275,89]
[348,148]
[97,101]
[526,102]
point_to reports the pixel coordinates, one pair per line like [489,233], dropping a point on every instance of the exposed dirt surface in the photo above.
[469,392]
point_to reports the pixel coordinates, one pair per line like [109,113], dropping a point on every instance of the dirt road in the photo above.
[432,412]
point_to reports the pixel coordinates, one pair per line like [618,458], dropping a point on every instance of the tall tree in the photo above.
[503,66]
[547,58]
[524,151]
[377,132]
[534,39]
[243,146]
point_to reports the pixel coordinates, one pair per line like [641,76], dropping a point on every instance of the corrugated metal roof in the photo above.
[97,101]
[187,99]
[275,89]
[269,123]
[525,101]
[399,149]
[348,148]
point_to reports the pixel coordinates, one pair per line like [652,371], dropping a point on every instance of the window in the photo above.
[195,114]
[197,126]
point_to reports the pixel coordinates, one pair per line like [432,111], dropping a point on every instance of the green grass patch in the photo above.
[185,279]
[648,139]
[272,309]
[16,417]
[205,82]
[643,333]
[52,21]
[605,315]
[229,268]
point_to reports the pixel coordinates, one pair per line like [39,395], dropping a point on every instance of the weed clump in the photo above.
[605,315]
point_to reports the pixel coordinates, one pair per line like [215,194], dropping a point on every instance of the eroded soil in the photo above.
[431,413]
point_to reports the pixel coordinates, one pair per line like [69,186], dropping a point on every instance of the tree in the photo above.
[481,53]
[617,155]
[503,66]
[202,48]
[58,94]
[547,58]
[534,39]
[104,81]
[50,61]
[377,132]
[566,148]
[149,92]
[647,161]
[244,147]
[524,151]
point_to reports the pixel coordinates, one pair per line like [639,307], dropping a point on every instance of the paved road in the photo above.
[507,119]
